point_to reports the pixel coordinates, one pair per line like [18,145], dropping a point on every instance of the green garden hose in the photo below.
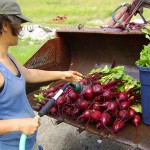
[22,142]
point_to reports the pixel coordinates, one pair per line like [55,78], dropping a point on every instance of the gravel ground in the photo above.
[66,137]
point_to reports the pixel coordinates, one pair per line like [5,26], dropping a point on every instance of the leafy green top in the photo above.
[144,60]
[117,73]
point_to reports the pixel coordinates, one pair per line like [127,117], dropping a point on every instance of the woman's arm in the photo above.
[25,125]
[36,75]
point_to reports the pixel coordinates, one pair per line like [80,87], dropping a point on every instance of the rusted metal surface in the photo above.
[53,55]
[86,49]
[91,49]
[100,30]
[125,12]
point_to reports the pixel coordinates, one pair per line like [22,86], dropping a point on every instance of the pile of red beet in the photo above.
[99,105]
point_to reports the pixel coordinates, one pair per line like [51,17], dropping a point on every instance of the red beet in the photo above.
[37,107]
[136,120]
[43,102]
[95,116]
[53,110]
[121,96]
[98,98]
[69,110]
[124,115]
[60,101]
[104,105]
[49,95]
[96,106]
[124,105]
[86,114]
[132,113]
[118,125]
[97,89]
[112,106]
[107,95]
[51,89]
[82,104]
[106,119]
[73,95]
[88,93]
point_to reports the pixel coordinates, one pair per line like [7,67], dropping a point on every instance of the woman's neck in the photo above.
[3,49]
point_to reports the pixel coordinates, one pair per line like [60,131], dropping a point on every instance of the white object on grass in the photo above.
[37,32]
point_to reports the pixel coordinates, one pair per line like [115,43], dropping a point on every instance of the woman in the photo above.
[16,115]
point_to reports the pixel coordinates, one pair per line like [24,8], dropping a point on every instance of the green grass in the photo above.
[24,50]
[91,13]
[76,11]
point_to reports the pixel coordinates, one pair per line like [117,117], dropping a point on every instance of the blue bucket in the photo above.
[145,93]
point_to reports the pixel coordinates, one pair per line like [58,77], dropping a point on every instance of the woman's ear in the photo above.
[5,26]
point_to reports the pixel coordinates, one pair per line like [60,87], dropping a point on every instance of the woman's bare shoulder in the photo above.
[1,79]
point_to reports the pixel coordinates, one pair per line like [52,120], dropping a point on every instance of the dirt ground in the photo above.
[66,137]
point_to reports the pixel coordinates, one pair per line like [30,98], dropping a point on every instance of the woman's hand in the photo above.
[28,125]
[72,76]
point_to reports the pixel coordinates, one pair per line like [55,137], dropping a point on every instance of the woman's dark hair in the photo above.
[14,23]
